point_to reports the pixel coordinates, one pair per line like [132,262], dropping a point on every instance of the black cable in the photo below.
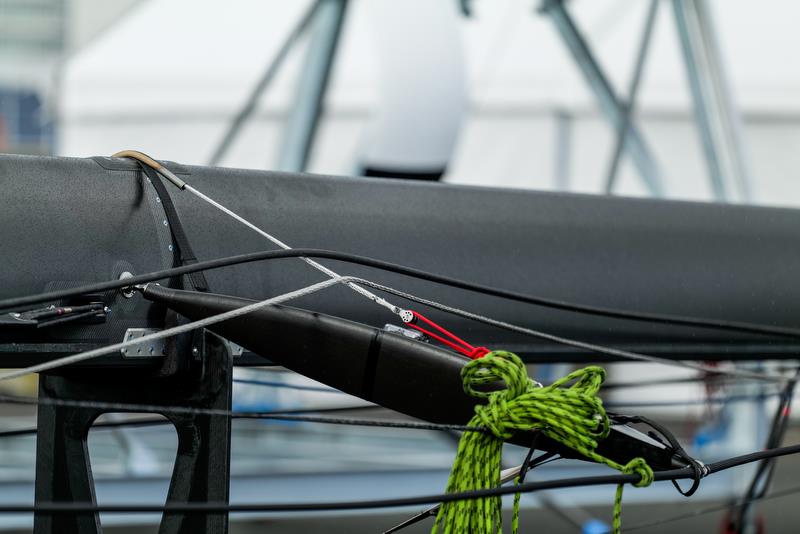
[528,463]
[736,461]
[711,509]
[328,409]
[734,326]
[156,422]
[688,402]
[83,507]
[268,415]
[678,450]
[606,386]
[762,478]
[286,385]
[526,487]
[280,415]
[108,424]
[523,469]
[666,382]
[770,469]
[778,429]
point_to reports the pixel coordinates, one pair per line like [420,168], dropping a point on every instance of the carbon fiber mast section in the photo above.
[68,222]
[399,373]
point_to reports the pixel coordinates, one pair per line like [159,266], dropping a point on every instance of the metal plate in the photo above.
[148,349]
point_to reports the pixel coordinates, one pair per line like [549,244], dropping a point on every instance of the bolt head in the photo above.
[127,292]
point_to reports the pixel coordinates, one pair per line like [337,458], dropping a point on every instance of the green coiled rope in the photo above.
[570,414]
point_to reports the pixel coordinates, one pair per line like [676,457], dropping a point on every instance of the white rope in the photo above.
[572,342]
[347,280]
[318,266]
[91,354]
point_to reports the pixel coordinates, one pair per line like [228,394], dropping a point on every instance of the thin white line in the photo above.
[360,290]
[91,354]
[572,342]
[88,355]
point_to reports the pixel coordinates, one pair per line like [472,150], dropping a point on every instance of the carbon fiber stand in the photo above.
[202,464]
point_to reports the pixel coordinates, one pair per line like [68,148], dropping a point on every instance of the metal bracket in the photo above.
[148,349]
[236,350]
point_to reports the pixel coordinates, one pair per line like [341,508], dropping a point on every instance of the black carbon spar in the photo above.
[394,371]
[72,222]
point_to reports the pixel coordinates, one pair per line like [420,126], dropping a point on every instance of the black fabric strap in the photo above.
[185,253]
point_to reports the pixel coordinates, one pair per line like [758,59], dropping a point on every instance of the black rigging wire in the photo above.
[525,487]
[286,385]
[551,303]
[570,342]
[712,509]
[541,335]
[717,379]
[103,425]
[606,386]
[279,415]
[527,465]
[717,324]
[333,409]
[759,485]
[234,415]
[689,402]
[666,382]
[606,403]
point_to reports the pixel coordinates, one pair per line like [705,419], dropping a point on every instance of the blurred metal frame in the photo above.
[610,104]
[249,107]
[717,119]
[633,91]
[312,84]
[323,20]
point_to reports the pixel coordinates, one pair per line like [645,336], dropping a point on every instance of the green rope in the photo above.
[573,416]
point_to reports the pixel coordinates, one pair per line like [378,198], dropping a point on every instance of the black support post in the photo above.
[202,464]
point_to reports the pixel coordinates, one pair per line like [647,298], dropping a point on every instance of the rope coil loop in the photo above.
[572,415]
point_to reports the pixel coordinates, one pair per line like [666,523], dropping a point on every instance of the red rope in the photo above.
[454,342]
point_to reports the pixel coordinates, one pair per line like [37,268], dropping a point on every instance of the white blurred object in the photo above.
[422,88]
